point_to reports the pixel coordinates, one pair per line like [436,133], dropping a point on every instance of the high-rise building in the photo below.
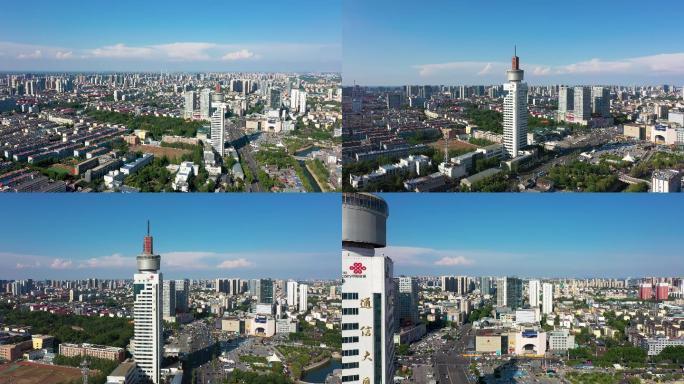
[298,101]
[146,344]
[169,298]
[218,130]
[509,292]
[486,285]
[533,290]
[367,292]
[182,295]
[303,298]
[205,104]
[407,305]
[582,103]
[189,109]
[662,291]
[547,298]
[264,291]
[275,102]
[515,110]
[393,101]
[566,101]
[645,291]
[600,101]
[292,291]
[501,292]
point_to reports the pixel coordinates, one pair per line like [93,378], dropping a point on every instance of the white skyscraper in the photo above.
[303,297]
[205,104]
[547,298]
[146,345]
[515,110]
[582,103]
[534,293]
[189,97]
[298,101]
[367,292]
[501,293]
[169,298]
[218,130]
[292,294]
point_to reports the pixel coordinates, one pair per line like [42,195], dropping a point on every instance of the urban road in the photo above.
[451,366]
[241,143]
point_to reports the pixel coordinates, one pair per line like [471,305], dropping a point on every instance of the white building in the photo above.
[189,107]
[534,293]
[292,294]
[218,130]
[146,344]
[303,298]
[205,104]
[667,180]
[515,111]
[367,292]
[186,169]
[298,101]
[547,298]
[169,299]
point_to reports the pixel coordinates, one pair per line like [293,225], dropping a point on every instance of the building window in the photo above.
[350,326]
[350,296]
[350,352]
[350,311]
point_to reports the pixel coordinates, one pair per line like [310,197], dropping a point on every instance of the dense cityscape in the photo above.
[513,137]
[144,132]
[151,329]
[487,329]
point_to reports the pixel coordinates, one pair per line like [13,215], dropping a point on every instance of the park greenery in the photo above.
[72,328]
[320,171]
[157,126]
[278,157]
[315,335]
[586,177]
[299,357]
[480,313]
[485,119]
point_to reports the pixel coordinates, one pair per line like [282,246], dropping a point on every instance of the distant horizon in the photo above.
[580,235]
[584,41]
[169,36]
[197,236]
[499,84]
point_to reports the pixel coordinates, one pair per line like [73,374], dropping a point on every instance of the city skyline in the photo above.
[198,237]
[445,46]
[569,236]
[162,37]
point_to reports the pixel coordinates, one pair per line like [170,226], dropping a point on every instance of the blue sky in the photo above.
[554,235]
[171,35]
[198,236]
[395,42]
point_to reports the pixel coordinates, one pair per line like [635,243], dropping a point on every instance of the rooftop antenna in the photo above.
[148,227]
[515,50]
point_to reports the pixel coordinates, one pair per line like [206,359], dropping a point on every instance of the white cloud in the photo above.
[541,71]
[37,54]
[455,260]
[237,263]
[122,51]
[486,70]
[61,264]
[424,257]
[186,51]
[242,54]
[64,55]
[116,260]
[35,264]
[653,65]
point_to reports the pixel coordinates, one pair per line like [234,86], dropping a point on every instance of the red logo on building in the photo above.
[357,268]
